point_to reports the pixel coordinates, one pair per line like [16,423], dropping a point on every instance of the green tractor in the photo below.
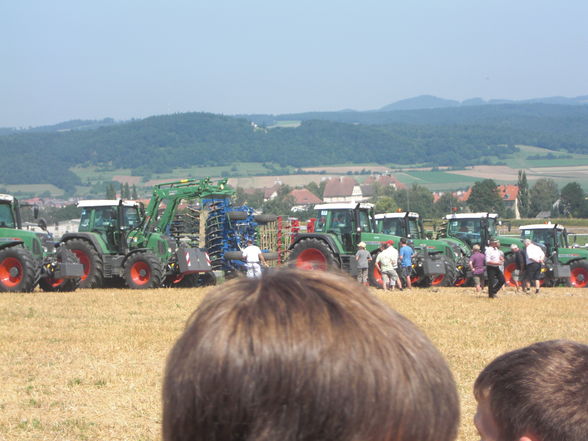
[28,258]
[119,241]
[564,265]
[468,229]
[409,224]
[331,241]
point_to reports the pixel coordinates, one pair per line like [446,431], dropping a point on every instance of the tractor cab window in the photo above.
[467,230]
[394,226]
[98,218]
[320,226]
[365,221]
[341,221]
[562,239]
[6,217]
[131,217]
[413,228]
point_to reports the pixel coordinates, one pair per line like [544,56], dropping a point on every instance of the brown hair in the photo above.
[541,389]
[305,356]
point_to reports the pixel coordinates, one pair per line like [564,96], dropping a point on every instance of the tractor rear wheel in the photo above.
[579,277]
[90,259]
[143,270]
[18,270]
[312,254]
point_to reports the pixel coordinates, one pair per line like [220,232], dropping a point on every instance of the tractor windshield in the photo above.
[392,225]
[98,218]
[466,229]
[6,216]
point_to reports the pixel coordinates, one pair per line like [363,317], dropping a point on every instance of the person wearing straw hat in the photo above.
[363,258]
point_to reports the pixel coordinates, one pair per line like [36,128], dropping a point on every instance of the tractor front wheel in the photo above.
[90,259]
[18,271]
[143,270]
[579,277]
[312,254]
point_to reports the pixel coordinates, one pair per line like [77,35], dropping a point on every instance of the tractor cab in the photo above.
[403,224]
[472,228]
[109,218]
[7,217]
[346,220]
[550,237]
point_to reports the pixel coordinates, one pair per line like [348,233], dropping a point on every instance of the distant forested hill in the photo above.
[461,136]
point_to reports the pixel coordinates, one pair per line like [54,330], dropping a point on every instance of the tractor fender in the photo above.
[88,237]
[320,236]
[10,243]
[133,252]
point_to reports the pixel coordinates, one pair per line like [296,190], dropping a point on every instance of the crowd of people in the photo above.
[489,267]
[314,356]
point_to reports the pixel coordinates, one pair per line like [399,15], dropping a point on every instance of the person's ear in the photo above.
[528,438]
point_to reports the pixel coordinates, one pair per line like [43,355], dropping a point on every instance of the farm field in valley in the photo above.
[88,365]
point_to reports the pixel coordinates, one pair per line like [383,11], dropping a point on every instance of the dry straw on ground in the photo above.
[88,365]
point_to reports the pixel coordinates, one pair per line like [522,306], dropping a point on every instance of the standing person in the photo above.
[535,258]
[406,253]
[536,393]
[477,266]
[363,257]
[253,256]
[270,359]
[385,262]
[494,259]
[520,264]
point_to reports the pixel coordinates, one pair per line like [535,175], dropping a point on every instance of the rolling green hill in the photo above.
[453,137]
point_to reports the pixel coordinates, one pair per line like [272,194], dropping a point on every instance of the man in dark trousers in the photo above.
[494,259]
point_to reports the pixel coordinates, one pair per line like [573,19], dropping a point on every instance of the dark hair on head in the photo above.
[305,356]
[403,240]
[540,389]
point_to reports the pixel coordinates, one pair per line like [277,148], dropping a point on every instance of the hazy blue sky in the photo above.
[81,59]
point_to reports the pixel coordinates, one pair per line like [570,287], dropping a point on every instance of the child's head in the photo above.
[305,356]
[537,393]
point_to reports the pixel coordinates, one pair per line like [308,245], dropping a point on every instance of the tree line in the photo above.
[162,143]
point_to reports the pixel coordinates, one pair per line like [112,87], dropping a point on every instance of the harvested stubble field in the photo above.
[88,365]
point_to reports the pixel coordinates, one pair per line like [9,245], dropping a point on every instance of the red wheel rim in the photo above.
[579,277]
[311,259]
[11,272]
[508,272]
[437,280]
[377,276]
[176,279]
[460,282]
[55,283]
[140,273]
[84,260]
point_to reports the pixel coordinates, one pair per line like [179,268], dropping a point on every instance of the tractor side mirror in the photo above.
[42,223]
[35,212]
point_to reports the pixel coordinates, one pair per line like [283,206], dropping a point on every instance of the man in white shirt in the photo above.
[535,258]
[494,260]
[253,256]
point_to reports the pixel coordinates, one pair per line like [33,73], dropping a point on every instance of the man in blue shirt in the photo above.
[405,256]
